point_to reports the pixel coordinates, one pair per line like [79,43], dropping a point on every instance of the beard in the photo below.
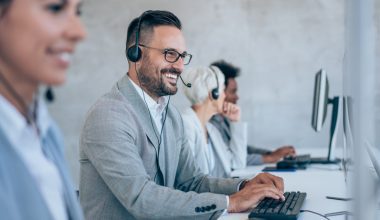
[155,84]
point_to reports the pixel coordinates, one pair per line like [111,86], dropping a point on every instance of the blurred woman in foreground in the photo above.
[37,39]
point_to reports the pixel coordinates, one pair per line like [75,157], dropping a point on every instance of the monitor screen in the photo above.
[321,92]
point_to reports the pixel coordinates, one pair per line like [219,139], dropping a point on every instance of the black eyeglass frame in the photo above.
[166,51]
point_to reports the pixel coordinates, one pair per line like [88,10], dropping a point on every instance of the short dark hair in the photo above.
[229,71]
[151,19]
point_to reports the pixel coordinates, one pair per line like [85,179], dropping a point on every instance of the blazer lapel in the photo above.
[23,176]
[165,152]
[142,112]
[68,191]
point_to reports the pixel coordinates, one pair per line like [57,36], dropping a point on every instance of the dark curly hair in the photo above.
[229,71]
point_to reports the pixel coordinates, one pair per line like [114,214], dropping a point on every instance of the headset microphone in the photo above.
[188,85]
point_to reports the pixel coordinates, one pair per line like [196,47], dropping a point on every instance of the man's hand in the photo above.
[231,111]
[279,154]
[266,178]
[263,185]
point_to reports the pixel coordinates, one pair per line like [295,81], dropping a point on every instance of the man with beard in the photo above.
[135,161]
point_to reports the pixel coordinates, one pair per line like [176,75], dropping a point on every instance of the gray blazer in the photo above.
[120,177]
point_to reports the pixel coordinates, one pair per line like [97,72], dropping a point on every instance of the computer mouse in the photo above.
[289,157]
[286,164]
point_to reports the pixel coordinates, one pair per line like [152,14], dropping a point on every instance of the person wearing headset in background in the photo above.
[135,160]
[37,39]
[207,98]
[256,156]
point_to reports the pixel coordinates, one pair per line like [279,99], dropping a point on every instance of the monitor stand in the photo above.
[324,160]
[331,159]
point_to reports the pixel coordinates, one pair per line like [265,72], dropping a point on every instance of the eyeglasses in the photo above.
[172,55]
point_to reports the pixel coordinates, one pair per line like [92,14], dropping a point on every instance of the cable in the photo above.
[316,213]
[18,98]
[31,111]
[159,139]
[346,213]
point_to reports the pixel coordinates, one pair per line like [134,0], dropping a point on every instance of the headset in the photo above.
[133,53]
[215,91]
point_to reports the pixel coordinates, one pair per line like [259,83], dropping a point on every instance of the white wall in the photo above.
[278,44]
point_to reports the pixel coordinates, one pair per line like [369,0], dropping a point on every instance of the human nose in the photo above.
[179,64]
[75,30]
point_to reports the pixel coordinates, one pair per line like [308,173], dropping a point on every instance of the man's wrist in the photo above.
[230,207]
[242,184]
[267,158]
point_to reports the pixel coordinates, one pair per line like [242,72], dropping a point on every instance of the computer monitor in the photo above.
[321,91]
[320,107]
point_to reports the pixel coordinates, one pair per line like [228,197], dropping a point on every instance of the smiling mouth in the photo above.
[62,56]
[172,78]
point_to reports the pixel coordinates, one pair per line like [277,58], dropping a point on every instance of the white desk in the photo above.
[318,181]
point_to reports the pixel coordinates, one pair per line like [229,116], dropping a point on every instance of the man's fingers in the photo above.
[251,195]
[278,183]
[267,190]
[285,151]
[267,178]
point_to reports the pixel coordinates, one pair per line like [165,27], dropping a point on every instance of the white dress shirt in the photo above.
[156,109]
[28,144]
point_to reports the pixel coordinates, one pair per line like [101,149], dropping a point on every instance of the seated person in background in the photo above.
[207,99]
[255,156]
[135,160]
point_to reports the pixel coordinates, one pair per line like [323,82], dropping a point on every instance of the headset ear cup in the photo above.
[215,93]
[134,53]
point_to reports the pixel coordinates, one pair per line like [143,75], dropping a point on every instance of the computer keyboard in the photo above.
[272,209]
[299,159]
[297,162]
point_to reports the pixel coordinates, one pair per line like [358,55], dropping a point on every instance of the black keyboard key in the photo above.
[291,207]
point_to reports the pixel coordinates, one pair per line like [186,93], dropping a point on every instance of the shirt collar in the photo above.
[13,123]
[44,120]
[156,108]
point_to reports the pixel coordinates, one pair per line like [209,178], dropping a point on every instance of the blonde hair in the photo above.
[203,80]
